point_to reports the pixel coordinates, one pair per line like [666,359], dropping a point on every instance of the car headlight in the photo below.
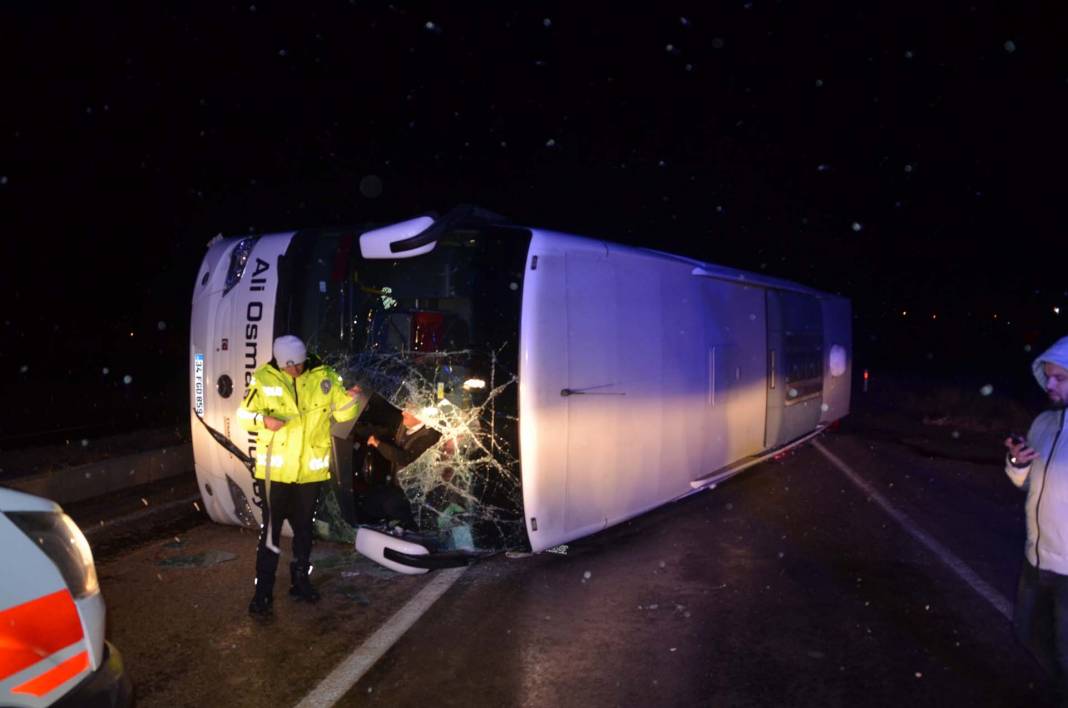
[64,543]
[238,259]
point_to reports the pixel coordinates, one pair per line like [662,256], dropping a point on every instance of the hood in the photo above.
[312,362]
[1057,354]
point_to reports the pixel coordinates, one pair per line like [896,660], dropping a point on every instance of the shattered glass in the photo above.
[437,334]
[198,560]
[466,488]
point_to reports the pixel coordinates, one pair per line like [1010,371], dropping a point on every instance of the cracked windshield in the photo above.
[436,336]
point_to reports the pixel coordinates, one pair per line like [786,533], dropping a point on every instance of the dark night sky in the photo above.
[907,155]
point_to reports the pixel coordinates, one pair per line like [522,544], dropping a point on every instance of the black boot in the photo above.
[262,604]
[302,588]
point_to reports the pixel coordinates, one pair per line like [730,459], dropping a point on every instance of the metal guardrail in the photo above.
[71,484]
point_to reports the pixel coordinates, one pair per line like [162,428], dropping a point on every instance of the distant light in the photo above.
[1056,310]
[474,383]
[857,226]
[986,390]
[865,374]
[1010,46]
[934,317]
[995,315]
[131,334]
[904,313]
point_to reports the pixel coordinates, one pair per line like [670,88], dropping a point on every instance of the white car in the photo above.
[52,646]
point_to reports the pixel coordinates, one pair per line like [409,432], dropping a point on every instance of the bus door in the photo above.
[795,366]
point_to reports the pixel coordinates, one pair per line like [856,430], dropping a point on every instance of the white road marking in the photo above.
[955,564]
[352,669]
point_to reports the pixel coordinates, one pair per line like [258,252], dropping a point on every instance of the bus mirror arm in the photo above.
[462,216]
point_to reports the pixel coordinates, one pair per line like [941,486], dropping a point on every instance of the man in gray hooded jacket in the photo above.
[1039,465]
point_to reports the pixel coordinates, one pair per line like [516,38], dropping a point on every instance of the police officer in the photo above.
[290,403]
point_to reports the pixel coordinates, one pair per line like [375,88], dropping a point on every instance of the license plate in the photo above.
[198,384]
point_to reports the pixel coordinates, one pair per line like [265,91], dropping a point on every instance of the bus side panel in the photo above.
[638,376]
[233,333]
[837,331]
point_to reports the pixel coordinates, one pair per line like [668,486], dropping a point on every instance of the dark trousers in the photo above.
[295,503]
[386,501]
[1041,621]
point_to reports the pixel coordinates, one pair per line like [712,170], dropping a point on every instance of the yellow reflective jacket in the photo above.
[300,450]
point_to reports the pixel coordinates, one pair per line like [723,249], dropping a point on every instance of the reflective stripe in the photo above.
[319,463]
[272,390]
[52,678]
[36,629]
[276,460]
[246,414]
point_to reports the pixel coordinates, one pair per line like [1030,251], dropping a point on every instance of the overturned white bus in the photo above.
[576,383]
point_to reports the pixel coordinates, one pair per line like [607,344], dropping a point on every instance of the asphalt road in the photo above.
[787,585]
